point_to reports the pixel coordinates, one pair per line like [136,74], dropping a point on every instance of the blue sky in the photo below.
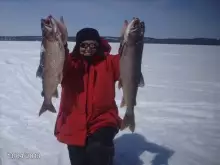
[163,18]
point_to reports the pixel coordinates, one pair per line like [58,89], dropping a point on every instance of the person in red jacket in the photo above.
[88,118]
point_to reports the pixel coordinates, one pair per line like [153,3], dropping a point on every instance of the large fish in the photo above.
[131,49]
[54,37]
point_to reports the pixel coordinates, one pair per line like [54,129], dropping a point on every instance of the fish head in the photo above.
[134,30]
[49,28]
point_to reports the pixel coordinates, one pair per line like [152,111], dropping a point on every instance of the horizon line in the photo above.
[115,37]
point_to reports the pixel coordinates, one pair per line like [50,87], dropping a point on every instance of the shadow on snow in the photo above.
[129,147]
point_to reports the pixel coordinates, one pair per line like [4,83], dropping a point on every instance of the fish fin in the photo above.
[42,93]
[128,121]
[40,69]
[119,84]
[123,104]
[141,81]
[122,99]
[124,27]
[45,106]
[39,72]
[56,94]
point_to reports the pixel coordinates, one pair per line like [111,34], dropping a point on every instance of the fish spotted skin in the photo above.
[131,50]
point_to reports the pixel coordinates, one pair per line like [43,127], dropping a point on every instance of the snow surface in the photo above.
[178,111]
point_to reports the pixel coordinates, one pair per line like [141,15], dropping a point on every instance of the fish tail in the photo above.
[129,120]
[56,94]
[47,106]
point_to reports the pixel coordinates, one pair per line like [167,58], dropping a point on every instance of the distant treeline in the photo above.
[192,41]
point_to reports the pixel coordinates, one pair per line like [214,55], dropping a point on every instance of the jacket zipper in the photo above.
[88,71]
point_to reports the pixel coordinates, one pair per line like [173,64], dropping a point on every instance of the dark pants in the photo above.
[99,149]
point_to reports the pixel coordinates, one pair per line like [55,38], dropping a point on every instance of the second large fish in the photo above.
[131,78]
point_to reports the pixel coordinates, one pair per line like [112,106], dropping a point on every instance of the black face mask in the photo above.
[88,59]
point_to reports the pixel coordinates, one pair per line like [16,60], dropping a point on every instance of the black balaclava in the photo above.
[87,34]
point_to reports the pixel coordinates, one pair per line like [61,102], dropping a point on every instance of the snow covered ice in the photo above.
[177,113]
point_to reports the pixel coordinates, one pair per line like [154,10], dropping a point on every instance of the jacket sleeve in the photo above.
[68,65]
[67,61]
[115,59]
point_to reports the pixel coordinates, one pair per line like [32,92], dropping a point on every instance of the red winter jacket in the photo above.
[87,98]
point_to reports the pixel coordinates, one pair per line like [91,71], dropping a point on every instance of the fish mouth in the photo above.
[136,22]
[136,25]
[46,23]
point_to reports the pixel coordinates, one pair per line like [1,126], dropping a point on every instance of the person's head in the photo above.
[87,41]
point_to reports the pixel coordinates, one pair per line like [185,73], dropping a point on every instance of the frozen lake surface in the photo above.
[177,113]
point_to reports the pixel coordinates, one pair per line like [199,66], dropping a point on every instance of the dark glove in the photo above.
[66,49]
[66,46]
